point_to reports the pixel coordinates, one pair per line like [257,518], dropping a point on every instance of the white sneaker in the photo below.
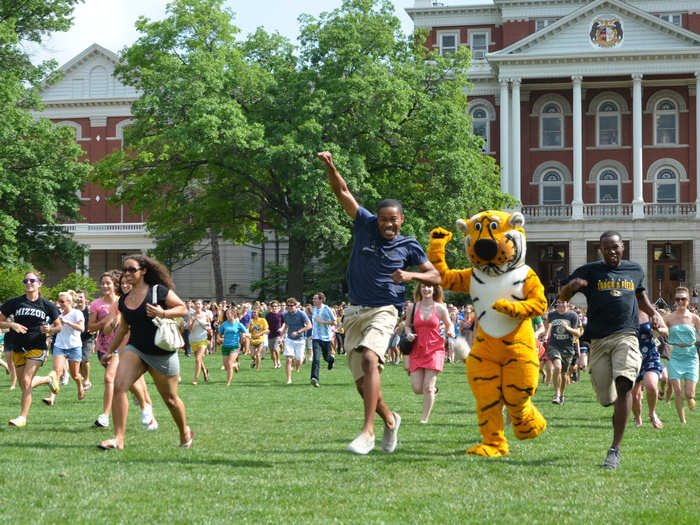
[102,421]
[54,384]
[64,379]
[390,437]
[362,444]
[153,425]
[146,415]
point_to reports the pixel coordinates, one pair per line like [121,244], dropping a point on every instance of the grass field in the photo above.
[265,452]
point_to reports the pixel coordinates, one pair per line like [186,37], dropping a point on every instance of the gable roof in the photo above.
[536,43]
[85,54]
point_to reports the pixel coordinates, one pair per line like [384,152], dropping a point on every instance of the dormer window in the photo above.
[479,43]
[672,18]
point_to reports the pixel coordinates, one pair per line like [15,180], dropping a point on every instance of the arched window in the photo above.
[666,122]
[608,120]
[552,188]
[480,125]
[666,186]
[551,126]
[608,187]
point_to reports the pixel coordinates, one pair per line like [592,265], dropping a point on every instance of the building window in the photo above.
[608,187]
[541,23]
[674,18]
[608,124]
[551,125]
[480,125]
[448,43]
[666,122]
[666,186]
[551,189]
[479,44]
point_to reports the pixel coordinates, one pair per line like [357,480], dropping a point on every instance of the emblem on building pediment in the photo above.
[606,32]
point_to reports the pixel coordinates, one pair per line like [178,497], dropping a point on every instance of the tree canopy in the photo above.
[39,170]
[228,129]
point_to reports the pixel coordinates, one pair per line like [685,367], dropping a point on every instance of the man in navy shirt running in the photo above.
[376,276]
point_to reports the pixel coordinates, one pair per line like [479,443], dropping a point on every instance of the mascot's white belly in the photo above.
[486,289]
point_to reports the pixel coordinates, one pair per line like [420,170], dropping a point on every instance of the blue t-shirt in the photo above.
[245,320]
[295,322]
[232,333]
[374,259]
[320,330]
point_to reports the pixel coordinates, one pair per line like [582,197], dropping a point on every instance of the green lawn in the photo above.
[265,452]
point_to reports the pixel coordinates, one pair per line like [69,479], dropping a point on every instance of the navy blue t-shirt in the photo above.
[612,297]
[374,259]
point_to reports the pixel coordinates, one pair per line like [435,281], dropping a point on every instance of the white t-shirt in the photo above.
[69,337]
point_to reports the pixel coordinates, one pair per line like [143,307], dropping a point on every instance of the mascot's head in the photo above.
[494,241]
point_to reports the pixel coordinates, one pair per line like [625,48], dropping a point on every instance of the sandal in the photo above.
[109,444]
[188,444]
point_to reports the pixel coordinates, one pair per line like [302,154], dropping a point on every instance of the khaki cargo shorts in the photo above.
[367,328]
[609,358]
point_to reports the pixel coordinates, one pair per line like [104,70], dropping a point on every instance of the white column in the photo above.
[516,137]
[86,264]
[577,202]
[503,125]
[697,149]
[638,202]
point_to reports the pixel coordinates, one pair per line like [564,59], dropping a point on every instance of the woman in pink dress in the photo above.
[428,352]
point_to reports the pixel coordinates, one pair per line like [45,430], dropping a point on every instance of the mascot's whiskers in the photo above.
[502,367]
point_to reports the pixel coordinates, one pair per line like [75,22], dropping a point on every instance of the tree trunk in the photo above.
[216,264]
[295,271]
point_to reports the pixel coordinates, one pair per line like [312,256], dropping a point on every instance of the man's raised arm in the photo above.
[338,185]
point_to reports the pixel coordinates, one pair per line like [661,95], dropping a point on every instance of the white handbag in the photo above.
[167,334]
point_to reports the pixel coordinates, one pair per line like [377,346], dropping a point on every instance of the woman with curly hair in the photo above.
[137,309]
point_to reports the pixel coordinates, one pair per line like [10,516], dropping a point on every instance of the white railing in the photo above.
[105,228]
[562,211]
[683,209]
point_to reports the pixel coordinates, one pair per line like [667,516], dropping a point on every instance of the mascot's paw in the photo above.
[440,235]
[531,426]
[489,451]
[506,307]
[462,349]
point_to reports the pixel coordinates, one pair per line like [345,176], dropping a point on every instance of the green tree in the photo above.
[72,281]
[39,170]
[11,280]
[229,130]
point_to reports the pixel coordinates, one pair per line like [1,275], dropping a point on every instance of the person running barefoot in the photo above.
[683,327]
[376,279]
[68,344]
[650,372]
[136,311]
[258,329]
[34,319]
[428,351]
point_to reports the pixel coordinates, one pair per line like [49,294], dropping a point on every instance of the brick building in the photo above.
[97,106]
[591,110]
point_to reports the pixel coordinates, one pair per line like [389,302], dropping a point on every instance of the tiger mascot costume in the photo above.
[502,367]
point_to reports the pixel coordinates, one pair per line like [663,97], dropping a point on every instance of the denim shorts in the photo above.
[72,354]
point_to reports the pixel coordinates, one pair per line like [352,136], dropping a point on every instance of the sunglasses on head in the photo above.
[131,269]
[30,280]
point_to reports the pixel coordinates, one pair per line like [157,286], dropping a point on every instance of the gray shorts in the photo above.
[88,347]
[166,364]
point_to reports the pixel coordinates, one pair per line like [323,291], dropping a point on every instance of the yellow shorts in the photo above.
[199,345]
[613,356]
[20,358]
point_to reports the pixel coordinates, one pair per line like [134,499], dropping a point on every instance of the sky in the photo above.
[110,23]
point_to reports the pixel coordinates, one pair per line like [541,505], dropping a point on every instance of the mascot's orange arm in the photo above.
[456,280]
[533,303]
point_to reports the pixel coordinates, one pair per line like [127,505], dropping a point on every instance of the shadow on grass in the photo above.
[189,461]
